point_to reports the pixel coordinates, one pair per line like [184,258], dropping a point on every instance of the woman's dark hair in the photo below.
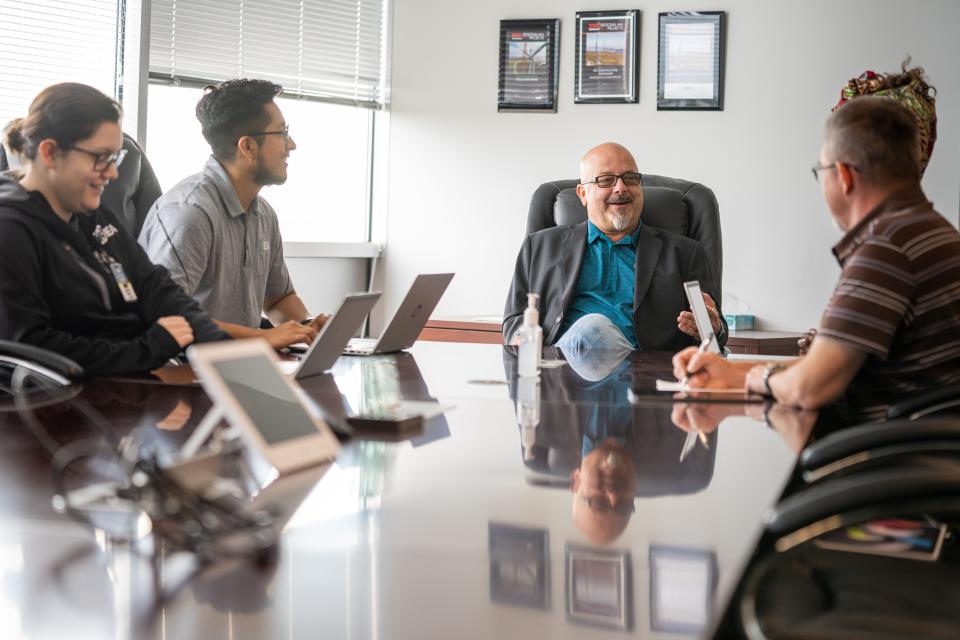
[65,113]
[233,109]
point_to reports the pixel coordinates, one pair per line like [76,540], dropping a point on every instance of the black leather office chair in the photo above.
[50,367]
[802,589]
[687,208]
[896,469]
[135,190]
[891,443]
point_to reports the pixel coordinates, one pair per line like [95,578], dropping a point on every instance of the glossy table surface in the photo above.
[466,529]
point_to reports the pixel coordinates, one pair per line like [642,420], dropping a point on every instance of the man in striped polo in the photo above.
[892,327]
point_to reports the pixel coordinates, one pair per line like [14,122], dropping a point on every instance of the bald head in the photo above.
[614,210]
[602,152]
[603,489]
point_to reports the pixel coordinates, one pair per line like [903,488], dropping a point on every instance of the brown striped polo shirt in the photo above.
[898,300]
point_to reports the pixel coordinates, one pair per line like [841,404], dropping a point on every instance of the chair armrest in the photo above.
[871,436]
[898,486]
[927,403]
[48,359]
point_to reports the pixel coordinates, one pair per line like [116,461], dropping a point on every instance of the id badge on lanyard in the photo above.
[123,282]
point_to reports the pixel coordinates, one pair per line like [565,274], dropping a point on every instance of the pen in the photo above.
[701,349]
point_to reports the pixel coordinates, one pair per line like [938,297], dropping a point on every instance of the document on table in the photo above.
[677,386]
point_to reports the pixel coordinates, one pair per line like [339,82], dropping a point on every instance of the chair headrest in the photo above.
[663,208]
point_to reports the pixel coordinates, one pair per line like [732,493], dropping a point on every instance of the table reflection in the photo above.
[607,452]
[596,522]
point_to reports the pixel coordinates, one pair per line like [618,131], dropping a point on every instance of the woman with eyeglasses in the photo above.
[72,279]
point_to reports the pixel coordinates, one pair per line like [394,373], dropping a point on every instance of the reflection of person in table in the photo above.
[793,425]
[889,332]
[603,487]
[589,435]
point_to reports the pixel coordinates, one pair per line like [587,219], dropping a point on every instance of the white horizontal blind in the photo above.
[331,50]
[43,42]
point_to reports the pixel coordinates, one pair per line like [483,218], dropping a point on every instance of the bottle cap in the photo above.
[531,316]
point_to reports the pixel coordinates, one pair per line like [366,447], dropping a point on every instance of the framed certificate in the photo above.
[519,566]
[690,66]
[606,56]
[529,64]
[599,587]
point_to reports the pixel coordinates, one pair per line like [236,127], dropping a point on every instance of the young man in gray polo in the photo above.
[217,236]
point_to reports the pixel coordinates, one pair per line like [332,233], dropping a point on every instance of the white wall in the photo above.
[461,174]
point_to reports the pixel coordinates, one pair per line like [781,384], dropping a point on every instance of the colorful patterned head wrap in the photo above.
[910,89]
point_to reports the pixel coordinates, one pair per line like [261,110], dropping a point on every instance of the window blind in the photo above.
[331,50]
[43,42]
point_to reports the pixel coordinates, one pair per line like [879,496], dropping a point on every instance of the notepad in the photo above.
[676,386]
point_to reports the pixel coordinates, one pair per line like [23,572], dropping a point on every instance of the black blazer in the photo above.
[549,264]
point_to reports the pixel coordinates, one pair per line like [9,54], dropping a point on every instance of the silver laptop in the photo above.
[336,332]
[409,320]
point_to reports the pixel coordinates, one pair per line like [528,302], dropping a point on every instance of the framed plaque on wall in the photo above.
[529,65]
[691,60]
[606,56]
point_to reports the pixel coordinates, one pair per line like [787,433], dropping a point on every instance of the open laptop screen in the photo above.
[261,392]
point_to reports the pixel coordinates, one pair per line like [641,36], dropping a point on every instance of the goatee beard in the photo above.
[619,222]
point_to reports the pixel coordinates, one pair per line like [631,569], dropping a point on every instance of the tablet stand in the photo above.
[262,472]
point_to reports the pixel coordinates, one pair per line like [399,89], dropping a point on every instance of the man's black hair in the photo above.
[233,109]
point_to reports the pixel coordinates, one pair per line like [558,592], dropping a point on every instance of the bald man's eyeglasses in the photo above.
[602,504]
[607,180]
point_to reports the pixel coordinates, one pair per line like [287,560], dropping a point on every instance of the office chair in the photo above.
[687,208]
[895,442]
[135,190]
[804,588]
[45,365]
[897,469]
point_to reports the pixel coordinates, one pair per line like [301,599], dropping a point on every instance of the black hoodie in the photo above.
[59,288]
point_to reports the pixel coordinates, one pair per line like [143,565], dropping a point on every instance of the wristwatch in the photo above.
[767,372]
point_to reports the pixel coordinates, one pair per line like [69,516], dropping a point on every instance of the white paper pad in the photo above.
[674,385]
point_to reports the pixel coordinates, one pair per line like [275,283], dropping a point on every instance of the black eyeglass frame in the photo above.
[621,176]
[285,132]
[102,160]
[603,505]
[817,168]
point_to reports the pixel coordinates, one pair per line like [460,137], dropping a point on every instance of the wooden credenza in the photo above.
[486,330]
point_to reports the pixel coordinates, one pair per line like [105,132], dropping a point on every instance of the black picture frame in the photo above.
[519,565]
[529,65]
[691,59]
[606,68]
[599,587]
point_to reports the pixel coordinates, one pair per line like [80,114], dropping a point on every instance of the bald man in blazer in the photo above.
[612,275]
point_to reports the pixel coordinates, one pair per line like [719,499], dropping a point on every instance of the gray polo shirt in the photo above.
[228,259]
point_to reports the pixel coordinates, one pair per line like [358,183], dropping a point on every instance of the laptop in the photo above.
[408,321]
[336,332]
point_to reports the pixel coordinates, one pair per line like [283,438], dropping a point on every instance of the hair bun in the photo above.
[13,135]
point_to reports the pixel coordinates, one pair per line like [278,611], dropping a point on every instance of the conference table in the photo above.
[466,527]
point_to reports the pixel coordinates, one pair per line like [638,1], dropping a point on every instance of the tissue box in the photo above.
[739,321]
